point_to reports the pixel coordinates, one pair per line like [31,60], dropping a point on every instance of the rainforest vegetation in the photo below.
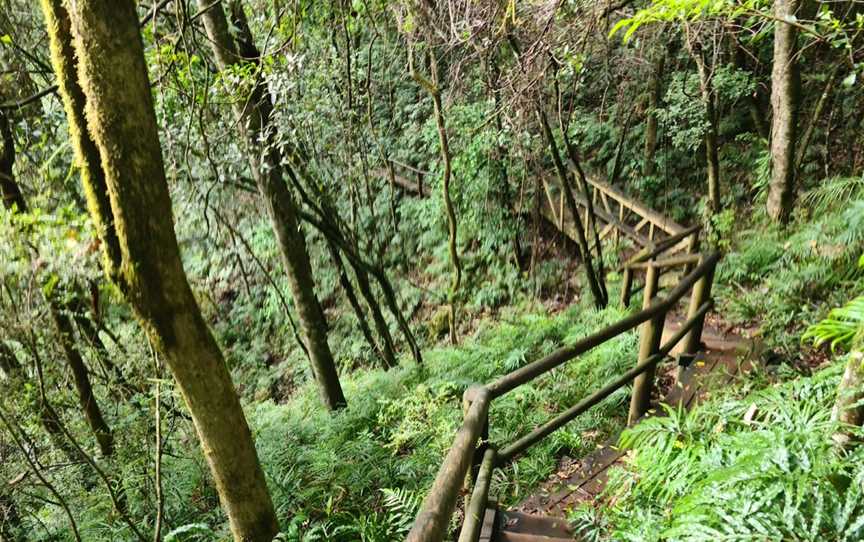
[254,253]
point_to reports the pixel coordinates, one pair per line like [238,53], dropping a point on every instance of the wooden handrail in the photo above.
[531,371]
[666,224]
[476,508]
[650,251]
[672,261]
[434,517]
[517,447]
[655,220]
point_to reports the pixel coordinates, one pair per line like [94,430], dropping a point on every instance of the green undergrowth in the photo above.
[781,279]
[360,474]
[745,465]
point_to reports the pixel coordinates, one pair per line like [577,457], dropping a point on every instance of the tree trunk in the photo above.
[385,352]
[655,87]
[121,121]
[593,281]
[9,190]
[433,87]
[848,408]
[712,152]
[381,326]
[784,104]
[81,376]
[88,330]
[254,119]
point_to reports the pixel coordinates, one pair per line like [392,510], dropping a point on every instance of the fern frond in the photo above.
[833,191]
[402,506]
[844,326]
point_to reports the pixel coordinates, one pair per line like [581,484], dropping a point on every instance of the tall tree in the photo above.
[710,140]
[655,87]
[254,114]
[785,82]
[102,38]
[14,202]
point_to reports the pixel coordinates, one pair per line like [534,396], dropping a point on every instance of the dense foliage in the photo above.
[413,145]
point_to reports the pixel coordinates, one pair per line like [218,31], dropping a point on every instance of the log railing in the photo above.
[472,452]
[687,238]
[616,213]
[407,178]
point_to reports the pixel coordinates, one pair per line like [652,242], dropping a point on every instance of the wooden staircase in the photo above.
[473,456]
[541,516]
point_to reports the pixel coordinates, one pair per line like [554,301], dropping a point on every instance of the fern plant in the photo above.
[757,467]
[402,506]
[844,326]
[833,192]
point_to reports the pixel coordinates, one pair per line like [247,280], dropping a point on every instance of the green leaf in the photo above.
[6,38]
[850,79]
[50,284]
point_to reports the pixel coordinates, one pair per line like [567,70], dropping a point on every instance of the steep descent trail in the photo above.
[672,319]
[584,479]
[541,516]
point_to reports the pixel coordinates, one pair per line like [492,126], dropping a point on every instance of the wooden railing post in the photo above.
[692,248]
[649,343]
[480,450]
[701,293]
[620,221]
[561,212]
[626,286]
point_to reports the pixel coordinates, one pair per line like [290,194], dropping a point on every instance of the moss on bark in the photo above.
[253,114]
[120,119]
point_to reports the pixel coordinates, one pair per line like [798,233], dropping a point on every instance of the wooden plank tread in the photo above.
[520,523]
[521,537]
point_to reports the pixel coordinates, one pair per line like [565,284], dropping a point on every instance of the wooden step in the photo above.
[522,537]
[519,524]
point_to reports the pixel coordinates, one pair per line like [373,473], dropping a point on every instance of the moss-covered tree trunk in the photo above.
[147,268]
[848,407]
[433,87]
[784,105]
[254,114]
[655,87]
